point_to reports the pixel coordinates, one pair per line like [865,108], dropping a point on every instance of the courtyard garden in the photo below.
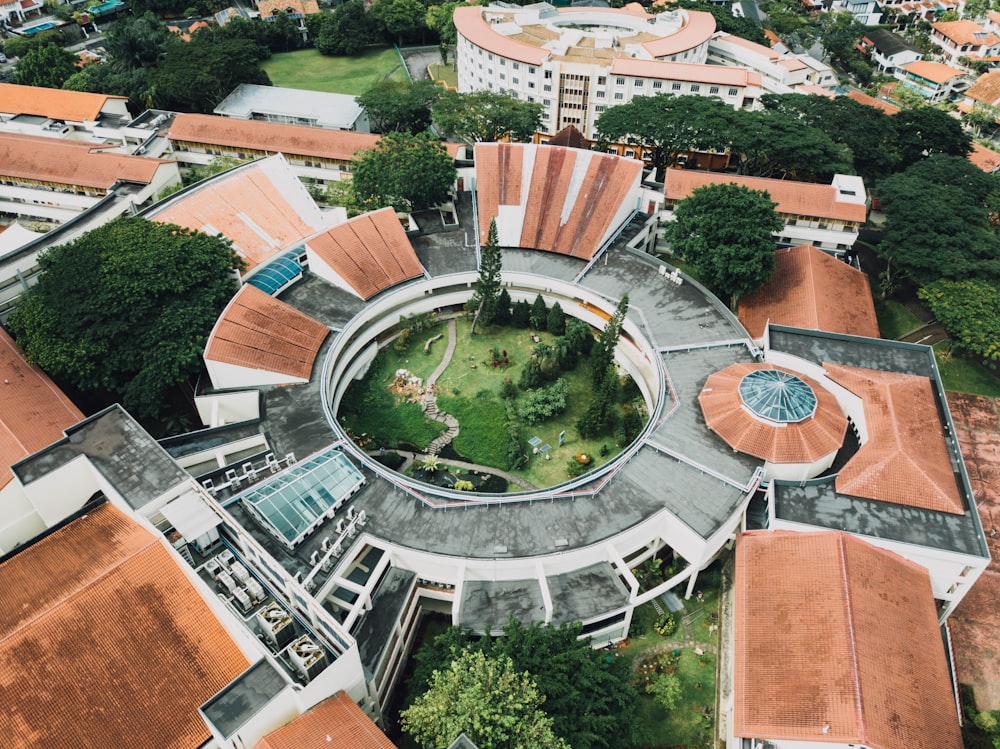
[520,393]
[308,69]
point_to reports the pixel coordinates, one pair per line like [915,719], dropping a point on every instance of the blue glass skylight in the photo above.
[777,396]
[277,274]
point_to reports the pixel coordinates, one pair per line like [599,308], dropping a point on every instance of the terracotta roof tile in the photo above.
[335,721]
[251,207]
[303,7]
[793,198]
[95,620]
[803,442]
[258,331]
[684,71]
[984,158]
[696,31]
[986,89]
[935,72]
[871,101]
[760,49]
[54,103]
[837,641]
[370,252]
[470,23]
[68,162]
[270,137]
[571,198]
[966,31]
[33,411]
[905,460]
[811,289]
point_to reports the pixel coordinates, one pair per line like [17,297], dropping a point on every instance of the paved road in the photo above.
[418,58]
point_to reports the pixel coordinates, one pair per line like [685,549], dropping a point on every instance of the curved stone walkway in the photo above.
[414,456]
[429,403]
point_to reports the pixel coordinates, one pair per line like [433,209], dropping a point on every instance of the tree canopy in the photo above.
[408,172]
[969,312]
[486,295]
[401,18]
[486,116]
[399,105]
[126,309]
[486,698]
[589,699]
[938,221]
[345,31]
[441,20]
[725,232]
[48,66]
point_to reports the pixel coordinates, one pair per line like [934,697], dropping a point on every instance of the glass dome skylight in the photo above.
[777,396]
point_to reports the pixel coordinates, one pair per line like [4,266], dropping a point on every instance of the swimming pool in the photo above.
[105,7]
[39,27]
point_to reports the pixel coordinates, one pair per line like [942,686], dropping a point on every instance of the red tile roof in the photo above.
[54,103]
[986,89]
[33,411]
[270,137]
[696,31]
[248,207]
[811,289]
[837,641]
[68,162]
[905,460]
[965,31]
[370,252]
[984,158]
[104,642]
[260,332]
[935,72]
[271,7]
[871,101]
[793,198]
[571,197]
[336,722]
[469,22]
[803,442]
[685,71]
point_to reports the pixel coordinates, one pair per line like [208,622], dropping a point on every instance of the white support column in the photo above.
[543,585]
[456,603]
[616,559]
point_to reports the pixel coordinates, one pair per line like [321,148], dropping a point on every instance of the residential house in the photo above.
[888,51]
[964,39]
[935,81]
[781,73]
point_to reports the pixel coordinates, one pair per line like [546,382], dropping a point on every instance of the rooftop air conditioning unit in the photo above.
[276,625]
[242,599]
[239,572]
[255,590]
[308,657]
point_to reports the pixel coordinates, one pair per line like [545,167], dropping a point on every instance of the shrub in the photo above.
[521,314]
[556,321]
[539,316]
[580,335]
[531,375]
[515,453]
[574,469]
[566,354]
[666,690]
[464,486]
[502,315]
[665,625]
[545,403]
[508,390]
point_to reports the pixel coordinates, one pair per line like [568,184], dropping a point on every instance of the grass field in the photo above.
[964,375]
[446,73]
[308,69]
[895,320]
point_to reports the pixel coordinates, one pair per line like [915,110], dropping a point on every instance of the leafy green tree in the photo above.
[346,31]
[599,416]
[19,46]
[126,309]
[725,232]
[137,42]
[486,294]
[839,34]
[580,335]
[668,126]
[566,353]
[969,311]
[938,221]
[401,18]
[539,313]
[927,131]
[486,116]
[488,700]
[666,690]
[531,375]
[441,20]
[556,321]
[544,403]
[773,144]
[49,67]
[195,76]
[399,105]
[407,172]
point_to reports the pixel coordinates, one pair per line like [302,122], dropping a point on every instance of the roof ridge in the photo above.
[852,640]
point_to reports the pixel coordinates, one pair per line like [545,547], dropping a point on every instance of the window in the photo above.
[713,90]
[657,84]
[503,77]
[531,84]
[599,108]
[546,102]
[734,91]
[531,69]
[675,87]
[601,80]
[517,66]
[515,81]
[629,153]
[619,97]
[489,56]
[548,74]
[620,81]
[503,63]
[695,88]
[547,87]
[600,94]
[639,82]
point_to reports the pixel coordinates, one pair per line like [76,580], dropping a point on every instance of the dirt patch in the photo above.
[975,625]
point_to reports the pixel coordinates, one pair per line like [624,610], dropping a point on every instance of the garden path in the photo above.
[429,403]
[410,457]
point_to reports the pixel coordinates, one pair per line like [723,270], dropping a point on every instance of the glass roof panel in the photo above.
[292,504]
[777,396]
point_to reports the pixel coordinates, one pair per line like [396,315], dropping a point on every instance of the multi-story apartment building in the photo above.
[964,39]
[577,62]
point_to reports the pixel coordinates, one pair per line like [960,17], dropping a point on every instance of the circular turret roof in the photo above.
[777,396]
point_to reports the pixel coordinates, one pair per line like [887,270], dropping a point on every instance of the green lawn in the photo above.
[964,375]
[447,73]
[895,320]
[308,69]
[685,725]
